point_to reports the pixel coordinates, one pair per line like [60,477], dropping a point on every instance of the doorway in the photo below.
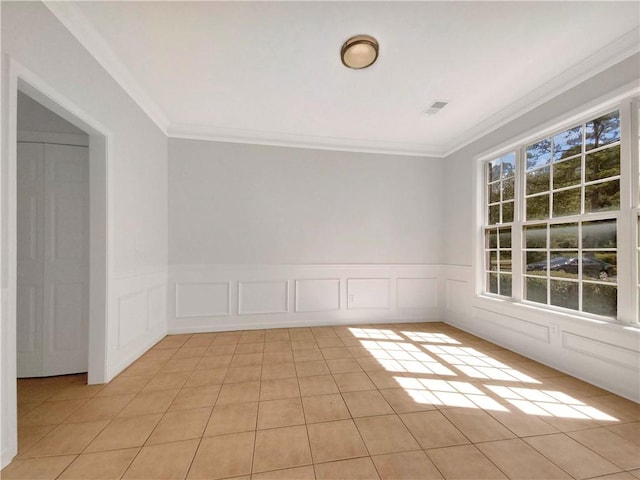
[52,308]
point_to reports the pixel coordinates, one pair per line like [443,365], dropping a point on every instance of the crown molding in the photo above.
[219,134]
[80,27]
[615,52]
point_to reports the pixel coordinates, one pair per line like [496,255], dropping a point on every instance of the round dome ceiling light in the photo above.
[359,52]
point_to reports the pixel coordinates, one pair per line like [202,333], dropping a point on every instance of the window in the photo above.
[552,219]
[500,190]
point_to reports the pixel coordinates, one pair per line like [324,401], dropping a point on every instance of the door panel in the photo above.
[53,267]
[66,272]
[30,260]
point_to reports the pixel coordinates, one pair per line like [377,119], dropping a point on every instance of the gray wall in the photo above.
[248,204]
[33,117]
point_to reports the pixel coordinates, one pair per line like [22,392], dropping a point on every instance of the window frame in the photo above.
[627,217]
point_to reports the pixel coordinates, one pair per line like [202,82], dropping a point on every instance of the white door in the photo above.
[59,298]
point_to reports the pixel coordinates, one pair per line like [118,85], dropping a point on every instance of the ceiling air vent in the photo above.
[435,107]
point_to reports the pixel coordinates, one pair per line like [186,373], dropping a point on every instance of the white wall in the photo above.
[137,192]
[33,117]
[314,236]
[604,354]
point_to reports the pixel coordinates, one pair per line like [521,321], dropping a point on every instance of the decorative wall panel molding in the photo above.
[273,296]
[317,295]
[132,316]
[604,351]
[416,293]
[368,293]
[263,297]
[202,299]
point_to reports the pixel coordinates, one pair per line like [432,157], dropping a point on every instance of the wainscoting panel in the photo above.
[137,317]
[262,297]
[416,293]
[273,296]
[132,317]
[317,295]
[202,299]
[607,352]
[369,293]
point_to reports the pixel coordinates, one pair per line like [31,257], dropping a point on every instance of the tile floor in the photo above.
[413,401]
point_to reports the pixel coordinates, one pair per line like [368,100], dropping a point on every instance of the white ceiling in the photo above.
[270,72]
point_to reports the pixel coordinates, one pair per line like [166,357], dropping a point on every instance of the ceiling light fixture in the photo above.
[359,52]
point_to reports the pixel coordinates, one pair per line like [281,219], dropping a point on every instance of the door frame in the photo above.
[100,140]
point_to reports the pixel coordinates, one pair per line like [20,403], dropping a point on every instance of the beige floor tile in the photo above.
[284,412]
[325,408]
[28,435]
[180,425]
[223,456]
[383,379]
[219,349]
[279,388]
[335,441]
[246,360]
[432,429]
[571,456]
[195,397]
[201,378]
[616,476]
[143,368]
[278,370]
[315,367]
[51,413]
[214,361]
[635,472]
[522,424]
[252,336]
[330,342]
[125,432]
[166,381]
[611,446]
[343,365]
[620,408]
[232,418]
[276,335]
[66,439]
[124,385]
[283,346]
[369,364]
[77,391]
[157,354]
[366,403]
[173,341]
[406,465]
[281,448]
[243,374]
[100,466]
[150,402]
[353,469]
[385,434]
[311,354]
[297,473]
[520,461]
[239,392]
[100,408]
[477,425]
[464,462]
[163,462]
[180,365]
[273,358]
[190,352]
[254,347]
[317,385]
[565,424]
[46,468]
[353,382]
[336,352]
[628,431]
